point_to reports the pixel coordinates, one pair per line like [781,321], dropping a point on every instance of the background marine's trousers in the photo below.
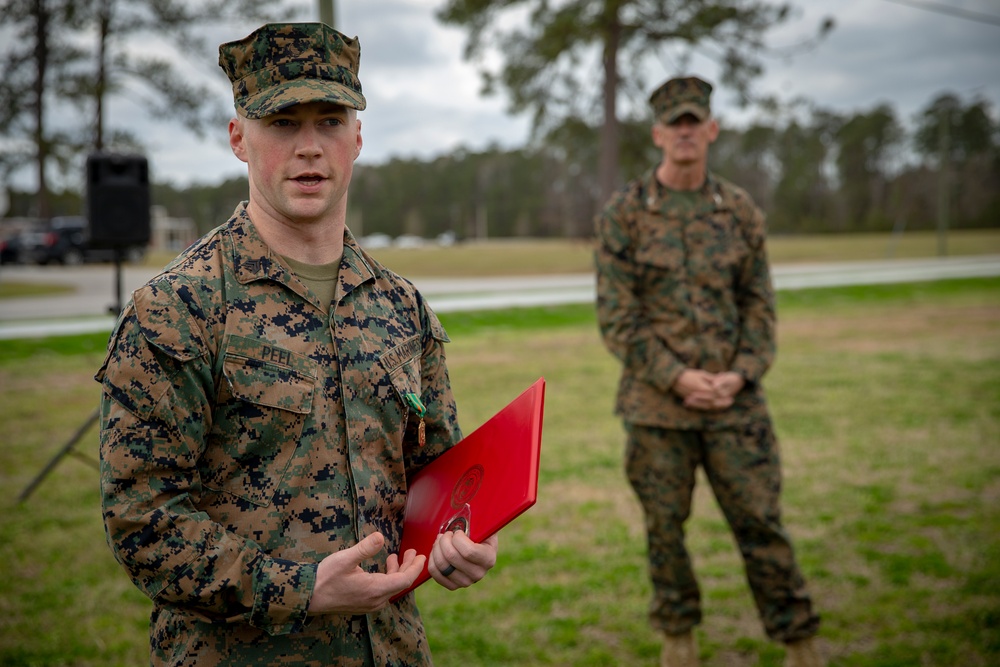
[744,470]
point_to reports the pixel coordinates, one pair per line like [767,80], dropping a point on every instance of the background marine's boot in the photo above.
[803,653]
[679,651]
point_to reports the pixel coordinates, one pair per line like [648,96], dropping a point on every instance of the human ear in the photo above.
[237,138]
[657,133]
[713,130]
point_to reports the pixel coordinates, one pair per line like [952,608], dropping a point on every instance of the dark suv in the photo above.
[61,240]
[64,241]
[10,249]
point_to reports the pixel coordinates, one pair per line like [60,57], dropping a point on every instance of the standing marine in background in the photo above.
[267,397]
[685,302]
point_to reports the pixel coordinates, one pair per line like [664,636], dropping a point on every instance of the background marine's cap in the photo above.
[679,96]
[283,64]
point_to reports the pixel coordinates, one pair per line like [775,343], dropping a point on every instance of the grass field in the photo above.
[507,257]
[500,257]
[887,403]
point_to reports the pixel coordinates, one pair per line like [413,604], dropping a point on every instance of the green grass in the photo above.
[61,346]
[887,404]
[555,256]
[24,290]
[846,247]
[503,257]
[500,257]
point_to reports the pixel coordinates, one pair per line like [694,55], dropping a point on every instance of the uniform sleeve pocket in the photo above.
[265,397]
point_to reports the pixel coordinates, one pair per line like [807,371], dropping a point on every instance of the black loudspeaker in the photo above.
[118,200]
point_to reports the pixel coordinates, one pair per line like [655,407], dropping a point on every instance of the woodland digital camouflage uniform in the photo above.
[683,282]
[685,288]
[247,433]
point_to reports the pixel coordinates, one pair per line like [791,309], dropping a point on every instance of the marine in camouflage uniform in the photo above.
[683,283]
[250,428]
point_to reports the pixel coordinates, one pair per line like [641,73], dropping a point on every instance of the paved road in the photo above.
[86,308]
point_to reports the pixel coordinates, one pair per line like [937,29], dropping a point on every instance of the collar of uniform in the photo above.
[654,191]
[356,267]
[252,258]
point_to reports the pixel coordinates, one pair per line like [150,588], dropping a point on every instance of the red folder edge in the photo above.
[477,480]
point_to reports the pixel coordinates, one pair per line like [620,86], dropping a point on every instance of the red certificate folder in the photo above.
[484,482]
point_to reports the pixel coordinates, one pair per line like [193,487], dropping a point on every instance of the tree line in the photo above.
[73,54]
[812,171]
[73,57]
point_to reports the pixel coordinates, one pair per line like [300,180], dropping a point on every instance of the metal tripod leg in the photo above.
[67,449]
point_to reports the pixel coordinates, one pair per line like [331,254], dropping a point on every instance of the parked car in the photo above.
[61,240]
[64,240]
[10,249]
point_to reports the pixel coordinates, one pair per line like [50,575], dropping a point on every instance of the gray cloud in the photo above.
[424,100]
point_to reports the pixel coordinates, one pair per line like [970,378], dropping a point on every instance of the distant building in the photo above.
[173,234]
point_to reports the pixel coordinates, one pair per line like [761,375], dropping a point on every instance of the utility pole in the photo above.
[328,12]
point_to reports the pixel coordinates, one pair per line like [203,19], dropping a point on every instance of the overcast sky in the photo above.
[423,99]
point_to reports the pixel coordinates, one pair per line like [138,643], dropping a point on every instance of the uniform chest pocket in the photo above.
[264,399]
[659,244]
[718,250]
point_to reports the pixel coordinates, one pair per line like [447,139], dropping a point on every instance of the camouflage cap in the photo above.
[681,96]
[283,64]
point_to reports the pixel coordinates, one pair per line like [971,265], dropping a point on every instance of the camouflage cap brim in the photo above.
[685,108]
[282,96]
[680,96]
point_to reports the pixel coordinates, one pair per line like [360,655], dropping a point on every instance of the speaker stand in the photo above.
[66,449]
[116,308]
